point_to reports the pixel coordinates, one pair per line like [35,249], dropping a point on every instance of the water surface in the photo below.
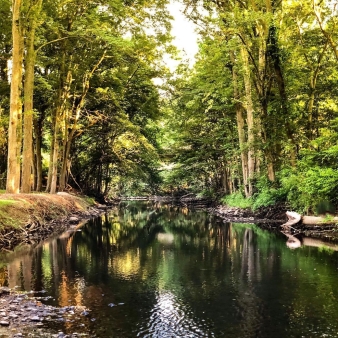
[151,270]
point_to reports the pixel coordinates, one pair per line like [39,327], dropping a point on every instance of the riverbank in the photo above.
[323,227]
[30,218]
[275,218]
[23,315]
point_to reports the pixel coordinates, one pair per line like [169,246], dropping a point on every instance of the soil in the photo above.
[30,218]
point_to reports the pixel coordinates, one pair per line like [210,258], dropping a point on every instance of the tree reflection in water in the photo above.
[153,270]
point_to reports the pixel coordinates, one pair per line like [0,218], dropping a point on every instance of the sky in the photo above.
[185,38]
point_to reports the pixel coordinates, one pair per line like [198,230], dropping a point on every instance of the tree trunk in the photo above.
[327,35]
[64,83]
[38,157]
[313,83]
[274,53]
[15,123]
[54,167]
[65,162]
[225,179]
[240,126]
[50,168]
[34,169]
[250,120]
[263,86]
[27,155]
[74,115]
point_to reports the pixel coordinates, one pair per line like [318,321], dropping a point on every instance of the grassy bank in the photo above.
[19,210]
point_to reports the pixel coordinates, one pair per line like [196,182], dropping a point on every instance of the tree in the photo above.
[33,11]
[14,130]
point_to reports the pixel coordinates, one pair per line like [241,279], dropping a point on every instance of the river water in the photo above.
[151,270]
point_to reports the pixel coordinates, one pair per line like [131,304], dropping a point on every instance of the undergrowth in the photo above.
[237,200]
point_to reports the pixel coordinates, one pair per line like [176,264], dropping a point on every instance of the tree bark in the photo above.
[240,126]
[54,167]
[15,123]
[250,120]
[38,156]
[27,154]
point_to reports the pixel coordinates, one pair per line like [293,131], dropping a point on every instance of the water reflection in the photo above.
[159,271]
[171,318]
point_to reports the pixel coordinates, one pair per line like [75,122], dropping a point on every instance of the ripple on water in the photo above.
[170,317]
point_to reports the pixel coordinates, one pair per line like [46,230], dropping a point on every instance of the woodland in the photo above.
[88,103]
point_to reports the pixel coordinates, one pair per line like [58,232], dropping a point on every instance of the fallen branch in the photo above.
[294,218]
[317,220]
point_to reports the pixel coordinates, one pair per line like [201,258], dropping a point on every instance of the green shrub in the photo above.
[268,193]
[307,187]
[237,200]
[269,196]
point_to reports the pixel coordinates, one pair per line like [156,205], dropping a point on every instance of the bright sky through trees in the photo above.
[184,38]
[183,30]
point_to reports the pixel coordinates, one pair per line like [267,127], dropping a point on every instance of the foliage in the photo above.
[237,200]
[256,115]
[289,76]
[308,186]
[268,193]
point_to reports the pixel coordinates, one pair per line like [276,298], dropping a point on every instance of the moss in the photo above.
[6,202]
[7,217]
[7,221]
[89,200]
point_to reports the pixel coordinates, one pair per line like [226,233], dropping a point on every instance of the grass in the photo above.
[324,248]
[4,203]
[237,200]
[89,200]
[7,217]
[21,209]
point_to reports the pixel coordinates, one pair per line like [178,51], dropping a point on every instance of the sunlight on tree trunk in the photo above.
[15,123]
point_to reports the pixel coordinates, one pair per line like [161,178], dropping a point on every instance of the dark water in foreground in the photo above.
[160,271]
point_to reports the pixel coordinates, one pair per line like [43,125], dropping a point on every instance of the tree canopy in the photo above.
[255,117]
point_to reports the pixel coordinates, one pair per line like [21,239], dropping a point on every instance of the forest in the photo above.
[88,103]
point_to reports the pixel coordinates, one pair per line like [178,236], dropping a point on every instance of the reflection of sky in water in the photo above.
[170,318]
[178,274]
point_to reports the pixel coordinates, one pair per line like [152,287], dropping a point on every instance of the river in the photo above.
[154,270]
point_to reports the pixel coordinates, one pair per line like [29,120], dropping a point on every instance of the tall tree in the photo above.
[15,122]
[33,10]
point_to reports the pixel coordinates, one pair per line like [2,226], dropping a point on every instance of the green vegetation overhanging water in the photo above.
[150,270]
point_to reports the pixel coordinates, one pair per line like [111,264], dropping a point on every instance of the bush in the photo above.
[269,196]
[268,193]
[308,187]
[237,200]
